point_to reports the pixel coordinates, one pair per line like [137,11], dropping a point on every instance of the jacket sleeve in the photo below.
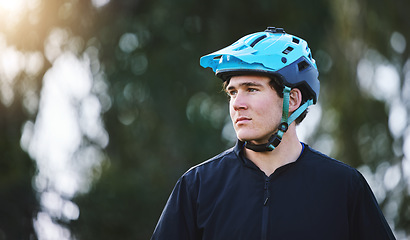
[366,218]
[178,219]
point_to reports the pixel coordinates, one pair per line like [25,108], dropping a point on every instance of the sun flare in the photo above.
[12,6]
[12,12]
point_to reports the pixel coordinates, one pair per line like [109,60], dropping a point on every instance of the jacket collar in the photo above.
[238,150]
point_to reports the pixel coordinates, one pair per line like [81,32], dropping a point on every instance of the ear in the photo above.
[295,99]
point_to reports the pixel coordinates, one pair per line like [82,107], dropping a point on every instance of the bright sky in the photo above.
[64,166]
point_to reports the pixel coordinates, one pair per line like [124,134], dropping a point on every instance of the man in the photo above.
[270,185]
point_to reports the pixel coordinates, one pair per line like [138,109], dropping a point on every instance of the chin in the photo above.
[254,138]
[246,138]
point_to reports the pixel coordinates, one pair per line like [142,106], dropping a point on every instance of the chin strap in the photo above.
[276,138]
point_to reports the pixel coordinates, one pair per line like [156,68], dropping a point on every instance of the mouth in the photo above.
[240,120]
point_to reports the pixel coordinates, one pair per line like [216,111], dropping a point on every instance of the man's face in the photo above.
[255,108]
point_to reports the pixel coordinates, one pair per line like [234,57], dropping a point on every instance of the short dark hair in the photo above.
[278,87]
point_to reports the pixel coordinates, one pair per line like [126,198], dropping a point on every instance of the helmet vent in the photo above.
[257,40]
[295,40]
[240,48]
[287,50]
[303,65]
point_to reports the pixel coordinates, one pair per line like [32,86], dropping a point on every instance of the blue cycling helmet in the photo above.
[272,52]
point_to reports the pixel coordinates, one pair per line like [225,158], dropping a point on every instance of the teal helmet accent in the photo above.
[272,52]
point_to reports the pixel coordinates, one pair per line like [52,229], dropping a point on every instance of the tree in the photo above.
[155,112]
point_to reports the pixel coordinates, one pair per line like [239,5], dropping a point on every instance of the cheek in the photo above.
[231,111]
[271,112]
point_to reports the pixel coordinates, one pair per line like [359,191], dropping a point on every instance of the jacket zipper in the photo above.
[265,213]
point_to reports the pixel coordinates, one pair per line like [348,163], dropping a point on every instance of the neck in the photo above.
[288,151]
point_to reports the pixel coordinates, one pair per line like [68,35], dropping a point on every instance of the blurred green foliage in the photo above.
[165,113]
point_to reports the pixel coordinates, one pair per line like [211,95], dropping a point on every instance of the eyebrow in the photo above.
[247,84]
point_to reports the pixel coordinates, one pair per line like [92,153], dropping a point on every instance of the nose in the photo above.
[239,102]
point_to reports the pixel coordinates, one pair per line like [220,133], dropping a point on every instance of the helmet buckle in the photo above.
[283,126]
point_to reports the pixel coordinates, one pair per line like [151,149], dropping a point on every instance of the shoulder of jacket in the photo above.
[332,162]
[228,154]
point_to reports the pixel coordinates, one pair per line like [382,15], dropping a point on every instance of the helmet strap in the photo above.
[276,138]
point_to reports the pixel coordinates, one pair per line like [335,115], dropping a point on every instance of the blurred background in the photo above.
[103,104]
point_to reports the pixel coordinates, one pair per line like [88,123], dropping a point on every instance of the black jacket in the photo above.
[229,197]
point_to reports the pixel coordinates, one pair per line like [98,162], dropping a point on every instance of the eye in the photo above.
[232,93]
[252,90]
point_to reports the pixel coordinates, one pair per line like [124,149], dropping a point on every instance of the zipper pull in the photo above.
[266,192]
